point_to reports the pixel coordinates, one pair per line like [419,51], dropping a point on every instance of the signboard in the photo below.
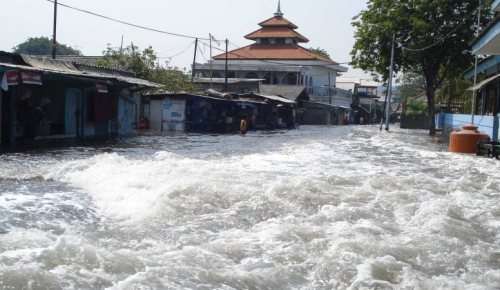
[12,77]
[174,114]
[31,77]
[101,88]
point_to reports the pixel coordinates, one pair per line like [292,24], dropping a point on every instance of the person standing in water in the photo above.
[243,125]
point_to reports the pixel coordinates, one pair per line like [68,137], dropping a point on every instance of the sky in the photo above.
[327,24]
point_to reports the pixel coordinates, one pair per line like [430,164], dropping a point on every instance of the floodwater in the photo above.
[315,208]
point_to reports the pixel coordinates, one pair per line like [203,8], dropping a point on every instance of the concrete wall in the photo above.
[416,122]
[450,122]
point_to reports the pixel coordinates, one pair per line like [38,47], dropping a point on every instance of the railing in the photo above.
[334,92]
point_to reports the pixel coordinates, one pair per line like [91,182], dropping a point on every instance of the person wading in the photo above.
[243,125]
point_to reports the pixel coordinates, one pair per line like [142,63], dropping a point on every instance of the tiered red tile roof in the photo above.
[276,32]
[273,52]
[276,27]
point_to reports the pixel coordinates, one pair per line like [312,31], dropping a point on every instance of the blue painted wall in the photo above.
[450,122]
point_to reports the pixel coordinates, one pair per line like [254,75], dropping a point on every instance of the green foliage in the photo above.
[144,63]
[444,27]
[320,51]
[454,91]
[43,46]
[415,108]
[410,85]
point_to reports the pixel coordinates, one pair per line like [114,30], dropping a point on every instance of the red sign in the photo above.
[101,88]
[31,77]
[12,77]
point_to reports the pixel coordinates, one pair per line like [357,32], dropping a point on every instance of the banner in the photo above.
[101,88]
[31,77]
[3,84]
[12,77]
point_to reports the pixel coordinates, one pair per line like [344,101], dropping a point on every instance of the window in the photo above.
[265,41]
[280,41]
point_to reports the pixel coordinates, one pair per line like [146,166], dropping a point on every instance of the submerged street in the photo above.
[316,208]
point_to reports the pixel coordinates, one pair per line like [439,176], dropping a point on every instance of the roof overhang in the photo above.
[486,66]
[68,71]
[488,42]
[495,6]
[337,67]
[483,83]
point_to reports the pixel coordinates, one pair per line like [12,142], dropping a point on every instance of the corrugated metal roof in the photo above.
[276,98]
[68,71]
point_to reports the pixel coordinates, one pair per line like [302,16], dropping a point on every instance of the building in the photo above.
[277,57]
[366,106]
[45,101]
[216,112]
[486,109]
[235,85]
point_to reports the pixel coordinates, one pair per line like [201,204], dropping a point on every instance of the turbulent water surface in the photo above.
[315,208]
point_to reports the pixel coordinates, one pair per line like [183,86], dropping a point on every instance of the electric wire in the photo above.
[442,38]
[179,53]
[125,22]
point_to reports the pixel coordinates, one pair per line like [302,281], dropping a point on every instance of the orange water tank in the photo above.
[465,140]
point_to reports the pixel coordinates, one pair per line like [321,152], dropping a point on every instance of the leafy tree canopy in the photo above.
[431,38]
[144,63]
[43,46]
[320,51]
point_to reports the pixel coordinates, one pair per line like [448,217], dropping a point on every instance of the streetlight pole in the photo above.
[389,89]
[474,92]
[54,35]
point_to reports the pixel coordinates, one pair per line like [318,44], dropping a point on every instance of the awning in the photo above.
[483,83]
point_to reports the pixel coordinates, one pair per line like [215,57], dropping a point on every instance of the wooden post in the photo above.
[54,36]
[225,82]
[194,60]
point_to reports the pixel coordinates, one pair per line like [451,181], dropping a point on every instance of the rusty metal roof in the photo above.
[68,69]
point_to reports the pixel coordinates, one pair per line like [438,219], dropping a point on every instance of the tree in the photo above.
[320,51]
[144,63]
[43,46]
[410,85]
[431,38]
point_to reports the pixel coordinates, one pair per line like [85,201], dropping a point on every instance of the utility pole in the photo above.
[211,65]
[121,46]
[194,59]
[54,35]
[225,82]
[329,90]
[330,98]
[474,92]
[389,89]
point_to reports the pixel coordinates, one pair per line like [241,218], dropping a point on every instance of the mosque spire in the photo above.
[278,12]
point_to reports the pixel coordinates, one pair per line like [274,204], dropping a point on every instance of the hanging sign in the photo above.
[101,88]
[12,77]
[31,77]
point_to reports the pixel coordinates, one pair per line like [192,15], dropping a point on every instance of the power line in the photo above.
[442,38]
[125,22]
[179,53]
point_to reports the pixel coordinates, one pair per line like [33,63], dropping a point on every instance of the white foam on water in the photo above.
[319,208]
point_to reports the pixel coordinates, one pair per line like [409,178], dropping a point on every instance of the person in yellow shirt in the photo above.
[243,125]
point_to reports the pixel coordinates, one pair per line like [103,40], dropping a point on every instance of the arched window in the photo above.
[216,75]
[310,81]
